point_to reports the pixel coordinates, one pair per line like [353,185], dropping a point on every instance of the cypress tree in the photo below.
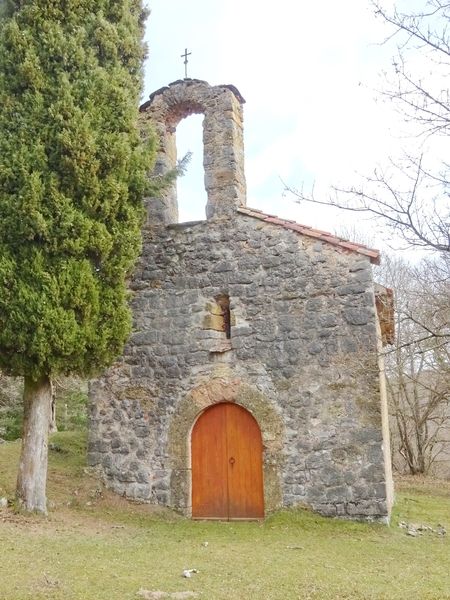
[73,172]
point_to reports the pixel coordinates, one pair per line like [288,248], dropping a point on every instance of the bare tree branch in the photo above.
[418,365]
[411,195]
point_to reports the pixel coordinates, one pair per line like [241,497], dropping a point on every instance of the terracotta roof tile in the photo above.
[324,236]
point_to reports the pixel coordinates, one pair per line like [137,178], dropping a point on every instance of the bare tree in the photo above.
[418,365]
[410,194]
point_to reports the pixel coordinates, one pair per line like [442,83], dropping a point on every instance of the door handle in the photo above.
[232,461]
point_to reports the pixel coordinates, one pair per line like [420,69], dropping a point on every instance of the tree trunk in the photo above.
[32,477]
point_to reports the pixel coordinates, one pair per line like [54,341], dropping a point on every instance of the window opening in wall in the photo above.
[223,300]
[191,193]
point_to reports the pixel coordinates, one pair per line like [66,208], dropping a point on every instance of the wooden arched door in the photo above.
[227,479]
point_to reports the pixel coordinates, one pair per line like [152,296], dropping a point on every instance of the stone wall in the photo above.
[302,357]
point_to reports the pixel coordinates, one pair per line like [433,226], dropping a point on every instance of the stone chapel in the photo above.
[253,378]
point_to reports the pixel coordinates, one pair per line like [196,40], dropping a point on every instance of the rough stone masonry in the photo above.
[244,307]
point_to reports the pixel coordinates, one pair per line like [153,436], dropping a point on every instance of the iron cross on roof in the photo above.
[185,56]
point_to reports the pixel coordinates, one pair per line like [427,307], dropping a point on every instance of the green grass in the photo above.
[95,545]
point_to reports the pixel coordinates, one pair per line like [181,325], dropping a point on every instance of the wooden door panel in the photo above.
[245,484]
[209,468]
[227,480]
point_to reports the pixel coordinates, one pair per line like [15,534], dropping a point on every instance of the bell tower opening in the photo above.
[223,150]
[191,193]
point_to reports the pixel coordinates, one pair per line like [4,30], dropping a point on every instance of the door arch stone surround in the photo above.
[188,411]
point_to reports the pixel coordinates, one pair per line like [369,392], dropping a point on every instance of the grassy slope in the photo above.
[96,546]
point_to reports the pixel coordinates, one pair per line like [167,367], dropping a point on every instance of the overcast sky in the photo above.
[308,72]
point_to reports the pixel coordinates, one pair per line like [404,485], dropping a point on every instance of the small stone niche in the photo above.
[223,301]
[220,319]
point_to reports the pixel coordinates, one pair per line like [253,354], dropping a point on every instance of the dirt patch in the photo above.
[88,510]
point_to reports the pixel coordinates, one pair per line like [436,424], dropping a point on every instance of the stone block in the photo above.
[338,494]
[241,330]
[327,510]
[357,316]
[212,321]
[141,431]
[363,275]
[315,347]
[94,458]
[359,265]
[350,289]
[327,320]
